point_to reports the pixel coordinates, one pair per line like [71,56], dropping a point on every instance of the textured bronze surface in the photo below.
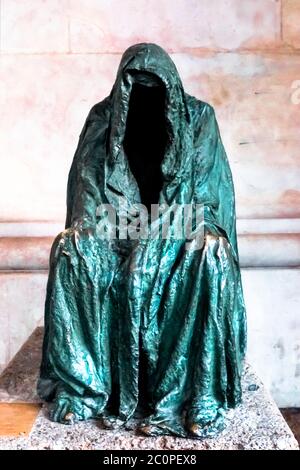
[146,327]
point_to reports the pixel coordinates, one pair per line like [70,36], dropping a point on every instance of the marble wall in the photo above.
[59,57]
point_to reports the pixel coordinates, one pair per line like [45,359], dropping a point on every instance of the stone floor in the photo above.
[256,424]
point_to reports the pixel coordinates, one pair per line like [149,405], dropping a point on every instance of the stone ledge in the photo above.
[262,243]
[25,253]
[256,424]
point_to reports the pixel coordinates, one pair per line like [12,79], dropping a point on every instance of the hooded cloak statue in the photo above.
[146,327]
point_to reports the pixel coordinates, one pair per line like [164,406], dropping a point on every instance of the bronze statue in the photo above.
[149,327]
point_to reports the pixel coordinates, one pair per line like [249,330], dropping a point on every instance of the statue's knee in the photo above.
[212,240]
[63,236]
[74,234]
[61,243]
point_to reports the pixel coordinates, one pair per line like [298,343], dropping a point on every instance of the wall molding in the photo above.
[262,243]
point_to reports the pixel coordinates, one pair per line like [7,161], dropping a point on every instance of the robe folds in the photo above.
[146,327]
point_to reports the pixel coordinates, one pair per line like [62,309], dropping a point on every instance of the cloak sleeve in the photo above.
[214,185]
[86,176]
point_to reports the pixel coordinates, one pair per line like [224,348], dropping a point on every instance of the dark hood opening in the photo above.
[146,135]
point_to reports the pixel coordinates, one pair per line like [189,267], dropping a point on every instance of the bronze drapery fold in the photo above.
[146,327]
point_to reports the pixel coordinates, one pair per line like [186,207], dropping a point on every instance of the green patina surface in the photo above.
[146,327]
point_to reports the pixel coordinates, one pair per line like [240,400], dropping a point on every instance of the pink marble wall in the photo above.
[21,309]
[59,57]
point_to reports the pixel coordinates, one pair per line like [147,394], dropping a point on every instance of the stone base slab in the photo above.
[256,424]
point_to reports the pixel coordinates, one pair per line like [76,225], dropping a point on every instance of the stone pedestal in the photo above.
[256,424]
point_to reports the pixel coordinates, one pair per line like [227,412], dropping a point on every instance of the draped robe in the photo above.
[146,327]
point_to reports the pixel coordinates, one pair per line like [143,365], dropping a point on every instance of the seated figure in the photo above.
[147,327]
